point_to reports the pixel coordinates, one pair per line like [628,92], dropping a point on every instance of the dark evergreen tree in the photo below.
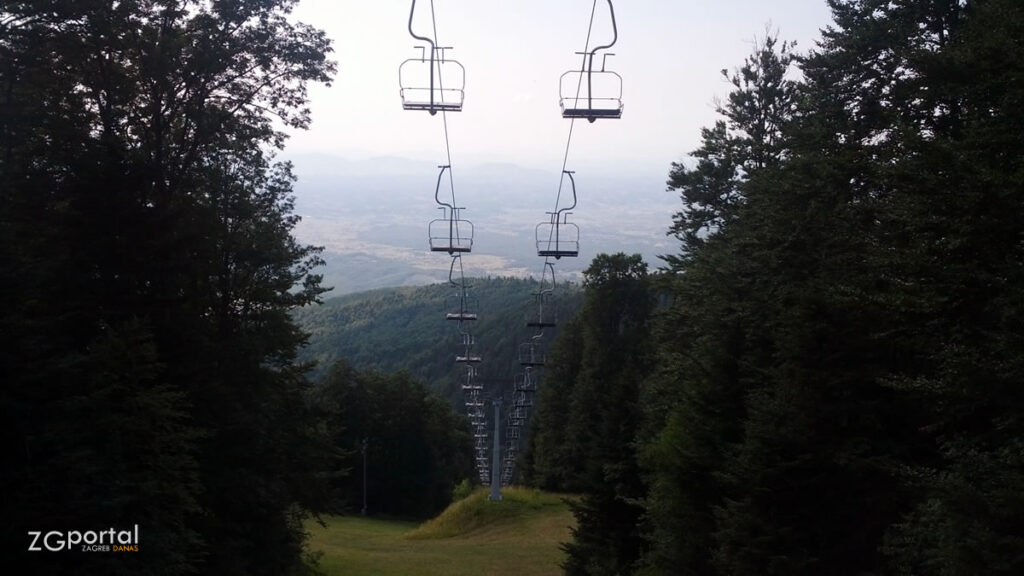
[747,139]
[841,339]
[953,224]
[694,403]
[604,414]
[554,457]
[417,447]
[148,271]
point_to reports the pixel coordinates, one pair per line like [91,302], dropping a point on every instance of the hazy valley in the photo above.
[371,216]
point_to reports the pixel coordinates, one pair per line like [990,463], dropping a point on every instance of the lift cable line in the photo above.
[422,88]
[421,83]
[472,391]
[558,238]
[572,121]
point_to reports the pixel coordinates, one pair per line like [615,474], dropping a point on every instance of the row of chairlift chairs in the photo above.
[555,238]
[586,93]
[598,94]
[461,307]
[421,81]
[421,87]
[531,357]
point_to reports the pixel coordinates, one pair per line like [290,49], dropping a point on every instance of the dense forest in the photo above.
[833,384]
[824,378]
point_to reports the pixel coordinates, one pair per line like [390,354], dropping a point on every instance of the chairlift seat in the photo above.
[558,239]
[421,88]
[433,106]
[558,253]
[531,355]
[590,94]
[444,245]
[592,113]
[450,234]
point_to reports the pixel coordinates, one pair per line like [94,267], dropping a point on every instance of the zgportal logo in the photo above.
[89,541]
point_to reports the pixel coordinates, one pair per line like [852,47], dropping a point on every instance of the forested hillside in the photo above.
[396,329]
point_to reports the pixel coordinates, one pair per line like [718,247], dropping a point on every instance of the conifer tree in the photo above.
[604,415]
[694,401]
[954,223]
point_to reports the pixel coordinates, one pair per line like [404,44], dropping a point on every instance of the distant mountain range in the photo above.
[371,216]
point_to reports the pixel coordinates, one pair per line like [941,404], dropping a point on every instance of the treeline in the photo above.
[832,382]
[402,447]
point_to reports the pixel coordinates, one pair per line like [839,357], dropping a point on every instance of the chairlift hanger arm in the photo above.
[589,62]
[615,32]
[412,11]
[461,284]
[437,189]
[572,183]
[548,268]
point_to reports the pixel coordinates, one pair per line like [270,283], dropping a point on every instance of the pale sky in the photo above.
[669,54]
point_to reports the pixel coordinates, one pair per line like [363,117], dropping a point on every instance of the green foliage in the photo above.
[477,512]
[550,462]
[588,415]
[957,273]
[394,329]
[513,544]
[416,447]
[462,490]
[706,340]
[747,139]
[837,389]
[148,270]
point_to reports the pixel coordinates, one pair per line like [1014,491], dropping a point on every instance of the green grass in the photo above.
[519,535]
